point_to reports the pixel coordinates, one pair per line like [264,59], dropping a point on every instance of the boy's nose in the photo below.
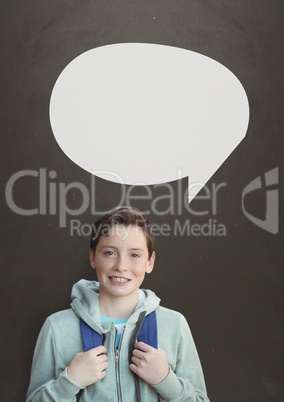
[121,264]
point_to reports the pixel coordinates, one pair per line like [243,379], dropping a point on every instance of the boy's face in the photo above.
[121,261]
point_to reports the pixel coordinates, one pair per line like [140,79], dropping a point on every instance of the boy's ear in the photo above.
[150,263]
[92,258]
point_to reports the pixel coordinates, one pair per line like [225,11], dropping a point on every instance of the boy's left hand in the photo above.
[149,363]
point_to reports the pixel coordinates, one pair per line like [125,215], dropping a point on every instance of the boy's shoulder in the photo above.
[63,318]
[169,314]
[173,324]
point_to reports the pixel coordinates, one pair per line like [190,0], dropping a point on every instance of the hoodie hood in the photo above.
[85,303]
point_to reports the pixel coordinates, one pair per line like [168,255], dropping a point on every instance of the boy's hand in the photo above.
[88,367]
[149,363]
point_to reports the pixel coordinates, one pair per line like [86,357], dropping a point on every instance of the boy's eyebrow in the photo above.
[107,246]
[132,248]
[136,249]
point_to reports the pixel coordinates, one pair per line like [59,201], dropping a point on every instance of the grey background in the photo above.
[229,288]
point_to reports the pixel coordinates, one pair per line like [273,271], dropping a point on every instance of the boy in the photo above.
[115,309]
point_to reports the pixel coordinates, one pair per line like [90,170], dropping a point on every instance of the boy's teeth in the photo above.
[115,279]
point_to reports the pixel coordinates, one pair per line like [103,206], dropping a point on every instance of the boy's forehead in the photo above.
[130,233]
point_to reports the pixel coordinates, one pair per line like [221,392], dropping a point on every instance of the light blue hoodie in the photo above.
[60,340]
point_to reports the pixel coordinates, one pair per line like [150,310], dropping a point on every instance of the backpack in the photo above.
[145,331]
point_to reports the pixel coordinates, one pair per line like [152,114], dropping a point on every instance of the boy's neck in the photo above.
[118,307]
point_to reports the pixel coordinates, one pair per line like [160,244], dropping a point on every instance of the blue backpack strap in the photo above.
[91,339]
[149,332]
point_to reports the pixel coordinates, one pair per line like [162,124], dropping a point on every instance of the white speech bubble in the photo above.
[139,113]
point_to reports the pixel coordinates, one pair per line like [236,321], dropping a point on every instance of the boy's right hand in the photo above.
[88,367]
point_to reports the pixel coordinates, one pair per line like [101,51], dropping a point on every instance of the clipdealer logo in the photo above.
[271,221]
[53,199]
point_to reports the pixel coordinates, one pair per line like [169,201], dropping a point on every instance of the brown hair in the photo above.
[122,215]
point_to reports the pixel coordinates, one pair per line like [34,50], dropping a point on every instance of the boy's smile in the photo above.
[117,279]
[121,260]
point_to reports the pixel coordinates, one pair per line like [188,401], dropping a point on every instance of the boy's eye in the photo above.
[109,253]
[135,255]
